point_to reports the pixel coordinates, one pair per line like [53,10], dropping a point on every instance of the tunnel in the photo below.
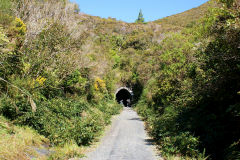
[124,96]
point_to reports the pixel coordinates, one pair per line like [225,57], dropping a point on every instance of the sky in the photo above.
[127,10]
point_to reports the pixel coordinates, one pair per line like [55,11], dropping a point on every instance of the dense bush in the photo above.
[63,120]
[193,101]
[44,82]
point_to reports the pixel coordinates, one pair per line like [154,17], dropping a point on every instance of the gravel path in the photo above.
[126,140]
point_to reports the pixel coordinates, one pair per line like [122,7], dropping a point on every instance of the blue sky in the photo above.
[127,10]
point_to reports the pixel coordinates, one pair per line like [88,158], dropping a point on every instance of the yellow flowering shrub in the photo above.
[19,26]
[41,80]
[17,31]
[99,84]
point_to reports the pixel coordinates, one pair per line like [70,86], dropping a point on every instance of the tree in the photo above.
[140,17]
[76,8]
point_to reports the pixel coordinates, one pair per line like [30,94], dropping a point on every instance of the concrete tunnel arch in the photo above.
[124,95]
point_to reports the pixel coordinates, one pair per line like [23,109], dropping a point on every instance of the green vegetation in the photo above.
[45,84]
[19,140]
[140,17]
[189,17]
[191,104]
[58,76]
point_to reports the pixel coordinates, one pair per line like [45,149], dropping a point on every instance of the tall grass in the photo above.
[18,142]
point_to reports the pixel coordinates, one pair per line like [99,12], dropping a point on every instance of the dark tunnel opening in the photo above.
[124,97]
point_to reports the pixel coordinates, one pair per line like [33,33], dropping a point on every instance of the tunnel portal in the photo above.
[124,96]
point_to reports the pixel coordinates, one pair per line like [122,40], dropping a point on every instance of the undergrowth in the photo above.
[58,76]
[192,104]
[18,142]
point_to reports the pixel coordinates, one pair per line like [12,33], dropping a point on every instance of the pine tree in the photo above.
[140,17]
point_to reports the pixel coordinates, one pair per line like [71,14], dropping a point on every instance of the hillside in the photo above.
[59,70]
[187,18]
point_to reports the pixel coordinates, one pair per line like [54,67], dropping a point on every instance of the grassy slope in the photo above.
[18,142]
[186,18]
